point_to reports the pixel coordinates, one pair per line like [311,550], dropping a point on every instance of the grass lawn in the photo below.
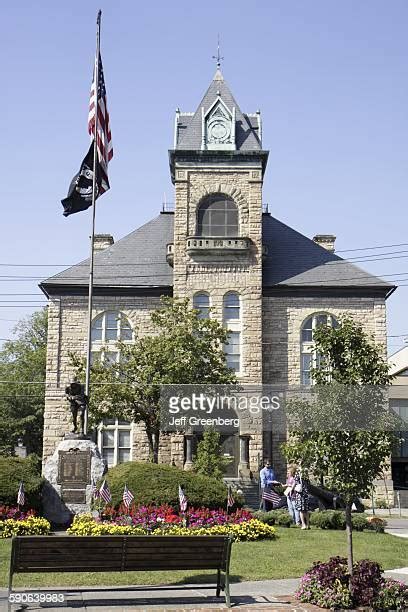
[286,557]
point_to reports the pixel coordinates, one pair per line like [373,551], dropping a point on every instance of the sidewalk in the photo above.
[264,594]
[252,595]
[396,526]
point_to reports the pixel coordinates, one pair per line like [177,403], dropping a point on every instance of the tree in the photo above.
[183,349]
[343,433]
[22,376]
[209,460]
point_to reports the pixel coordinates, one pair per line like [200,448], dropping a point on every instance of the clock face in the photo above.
[219,131]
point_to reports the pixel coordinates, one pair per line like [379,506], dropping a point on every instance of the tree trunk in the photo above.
[153,440]
[349,531]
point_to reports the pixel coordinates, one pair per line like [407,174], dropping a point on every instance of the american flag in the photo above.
[95,490]
[230,498]
[182,500]
[271,496]
[21,495]
[104,136]
[105,493]
[128,496]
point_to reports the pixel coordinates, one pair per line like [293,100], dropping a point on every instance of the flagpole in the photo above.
[91,260]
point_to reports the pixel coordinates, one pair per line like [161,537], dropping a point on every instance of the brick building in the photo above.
[269,284]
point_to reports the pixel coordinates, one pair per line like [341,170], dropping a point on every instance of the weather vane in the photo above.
[218,56]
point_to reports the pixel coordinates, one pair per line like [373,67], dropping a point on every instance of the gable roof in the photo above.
[189,129]
[138,262]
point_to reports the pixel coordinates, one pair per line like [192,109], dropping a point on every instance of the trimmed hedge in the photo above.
[15,469]
[336,519]
[158,484]
[275,517]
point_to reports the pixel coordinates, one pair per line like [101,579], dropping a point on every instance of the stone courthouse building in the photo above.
[267,283]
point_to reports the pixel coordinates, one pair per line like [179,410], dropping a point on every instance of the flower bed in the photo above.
[244,530]
[32,525]
[326,585]
[151,517]
[14,512]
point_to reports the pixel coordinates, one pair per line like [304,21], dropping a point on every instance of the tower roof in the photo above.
[189,126]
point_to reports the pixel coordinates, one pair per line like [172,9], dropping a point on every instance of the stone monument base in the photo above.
[69,474]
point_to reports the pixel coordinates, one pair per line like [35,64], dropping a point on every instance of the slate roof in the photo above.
[139,261]
[294,260]
[189,128]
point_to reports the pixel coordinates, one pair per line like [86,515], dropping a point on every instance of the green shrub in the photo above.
[158,484]
[336,519]
[274,517]
[359,522]
[328,519]
[15,469]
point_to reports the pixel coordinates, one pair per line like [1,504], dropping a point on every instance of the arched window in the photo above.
[310,358]
[217,216]
[114,435]
[231,306]
[107,329]
[232,321]
[201,302]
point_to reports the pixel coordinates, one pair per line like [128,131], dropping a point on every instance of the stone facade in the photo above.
[274,302]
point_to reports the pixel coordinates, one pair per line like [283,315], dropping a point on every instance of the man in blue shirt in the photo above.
[267,478]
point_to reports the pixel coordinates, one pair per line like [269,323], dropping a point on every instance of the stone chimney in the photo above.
[103,241]
[326,241]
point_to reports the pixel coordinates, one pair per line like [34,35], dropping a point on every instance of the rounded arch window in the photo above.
[310,358]
[107,329]
[201,302]
[217,216]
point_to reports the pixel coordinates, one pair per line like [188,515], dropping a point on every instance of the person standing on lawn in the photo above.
[290,483]
[267,479]
[300,497]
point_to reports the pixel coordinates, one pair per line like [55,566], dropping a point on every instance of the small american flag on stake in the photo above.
[21,495]
[128,497]
[104,136]
[182,500]
[230,498]
[105,493]
[271,496]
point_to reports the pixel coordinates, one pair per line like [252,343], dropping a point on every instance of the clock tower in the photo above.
[217,167]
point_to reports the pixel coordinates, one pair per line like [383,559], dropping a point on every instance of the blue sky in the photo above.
[329,77]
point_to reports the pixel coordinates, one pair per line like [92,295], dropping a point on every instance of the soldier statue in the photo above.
[75,393]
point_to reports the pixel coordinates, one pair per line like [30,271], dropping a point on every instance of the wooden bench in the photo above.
[122,554]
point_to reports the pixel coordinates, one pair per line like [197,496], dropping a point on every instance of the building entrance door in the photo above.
[230,449]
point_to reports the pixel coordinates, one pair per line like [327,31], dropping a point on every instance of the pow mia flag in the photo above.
[80,190]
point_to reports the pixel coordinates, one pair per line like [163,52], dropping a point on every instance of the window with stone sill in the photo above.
[309,357]
[201,302]
[217,216]
[115,441]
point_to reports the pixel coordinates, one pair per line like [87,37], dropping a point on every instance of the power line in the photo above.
[383,246]
[358,258]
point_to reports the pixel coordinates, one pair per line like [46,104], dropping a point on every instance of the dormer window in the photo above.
[217,216]
[218,126]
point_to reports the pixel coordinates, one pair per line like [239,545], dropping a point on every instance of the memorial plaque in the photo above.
[74,468]
[73,496]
